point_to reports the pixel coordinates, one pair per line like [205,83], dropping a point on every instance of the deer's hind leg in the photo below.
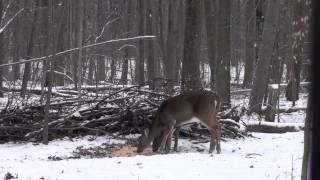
[156,144]
[212,140]
[215,132]
[218,138]
[168,142]
[167,134]
[176,136]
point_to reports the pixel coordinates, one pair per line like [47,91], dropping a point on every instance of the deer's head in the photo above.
[142,141]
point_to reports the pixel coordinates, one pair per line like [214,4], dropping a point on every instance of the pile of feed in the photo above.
[128,151]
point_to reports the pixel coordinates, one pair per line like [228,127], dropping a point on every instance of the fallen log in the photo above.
[37,92]
[292,109]
[271,127]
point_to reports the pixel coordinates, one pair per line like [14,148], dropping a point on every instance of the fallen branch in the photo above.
[269,127]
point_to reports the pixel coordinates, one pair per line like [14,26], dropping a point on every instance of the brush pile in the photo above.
[98,111]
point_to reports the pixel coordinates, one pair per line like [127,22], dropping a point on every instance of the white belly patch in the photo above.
[193,120]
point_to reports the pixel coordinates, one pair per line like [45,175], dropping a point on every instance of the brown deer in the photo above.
[182,109]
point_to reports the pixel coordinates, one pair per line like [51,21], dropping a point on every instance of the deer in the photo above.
[194,106]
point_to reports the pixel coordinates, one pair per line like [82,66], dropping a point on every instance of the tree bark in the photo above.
[191,55]
[50,50]
[236,38]
[306,161]
[126,58]
[170,53]
[59,66]
[264,55]
[79,63]
[150,46]
[101,65]
[251,42]
[27,68]
[140,60]
[223,51]
[211,26]
[16,40]
[292,92]
[1,52]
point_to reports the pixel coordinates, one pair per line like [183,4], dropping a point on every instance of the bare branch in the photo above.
[5,12]
[10,21]
[76,49]
[104,27]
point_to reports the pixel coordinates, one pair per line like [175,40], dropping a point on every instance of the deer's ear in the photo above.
[146,132]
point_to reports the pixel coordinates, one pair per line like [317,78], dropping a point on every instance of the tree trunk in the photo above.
[150,45]
[180,38]
[292,92]
[113,64]
[50,50]
[101,67]
[74,34]
[170,53]
[44,33]
[59,65]
[16,40]
[264,55]
[1,52]
[27,68]
[223,51]
[191,55]
[275,61]
[251,42]
[126,58]
[210,13]
[79,63]
[306,162]
[156,28]
[235,33]
[140,60]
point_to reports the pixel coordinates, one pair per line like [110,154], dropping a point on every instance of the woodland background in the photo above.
[70,67]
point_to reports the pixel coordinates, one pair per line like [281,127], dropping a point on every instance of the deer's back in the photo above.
[186,106]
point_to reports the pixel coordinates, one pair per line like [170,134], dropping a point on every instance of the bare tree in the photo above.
[211,27]
[140,60]
[27,69]
[16,40]
[101,66]
[251,43]
[78,63]
[223,50]
[306,162]
[126,58]
[191,55]
[170,53]
[236,38]
[298,24]
[264,55]
[150,44]
[1,51]
[50,50]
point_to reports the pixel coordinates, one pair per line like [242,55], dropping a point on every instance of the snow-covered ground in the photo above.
[263,156]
